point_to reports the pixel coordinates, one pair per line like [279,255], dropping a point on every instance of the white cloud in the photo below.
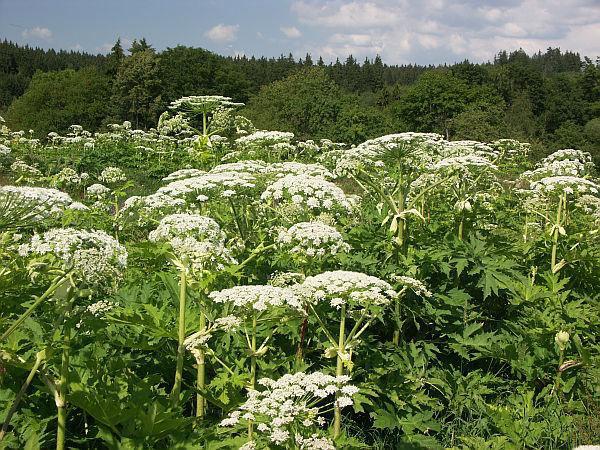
[291,32]
[352,14]
[433,31]
[37,33]
[222,33]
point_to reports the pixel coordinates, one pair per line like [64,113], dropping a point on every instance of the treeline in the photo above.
[551,98]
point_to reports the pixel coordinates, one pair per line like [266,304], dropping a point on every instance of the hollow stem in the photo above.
[337,413]
[63,384]
[556,233]
[201,375]
[252,368]
[175,392]
[38,360]
[55,285]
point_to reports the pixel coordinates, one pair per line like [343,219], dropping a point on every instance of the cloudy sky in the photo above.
[401,31]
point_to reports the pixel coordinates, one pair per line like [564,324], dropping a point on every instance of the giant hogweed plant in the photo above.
[483,349]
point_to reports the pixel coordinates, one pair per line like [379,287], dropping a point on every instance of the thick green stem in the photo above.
[460,229]
[180,338]
[201,376]
[55,285]
[556,234]
[396,338]
[337,414]
[63,384]
[252,368]
[38,360]
[561,359]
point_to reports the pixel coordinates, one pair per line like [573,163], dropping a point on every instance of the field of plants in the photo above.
[205,284]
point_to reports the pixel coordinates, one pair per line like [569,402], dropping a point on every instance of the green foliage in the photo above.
[56,100]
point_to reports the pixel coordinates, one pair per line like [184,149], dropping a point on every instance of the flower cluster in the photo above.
[413,150]
[24,170]
[38,203]
[93,256]
[467,165]
[468,148]
[210,185]
[264,138]
[112,175]
[198,340]
[341,287]
[144,210]
[182,174]
[69,177]
[312,193]
[417,286]
[202,103]
[4,150]
[565,184]
[566,162]
[590,204]
[97,191]
[295,168]
[292,407]
[312,239]
[257,298]
[197,241]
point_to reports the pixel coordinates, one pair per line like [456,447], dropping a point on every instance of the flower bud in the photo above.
[562,339]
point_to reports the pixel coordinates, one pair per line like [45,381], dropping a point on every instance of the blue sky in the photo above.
[402,31]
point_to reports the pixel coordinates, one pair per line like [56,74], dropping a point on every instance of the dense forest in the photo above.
[551,99]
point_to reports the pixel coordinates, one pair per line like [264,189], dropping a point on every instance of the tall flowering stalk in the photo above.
[82,259]
[310,245]
[345,295]
[385,167]
[555,192]
[206,107]
[198,245]
[262,305]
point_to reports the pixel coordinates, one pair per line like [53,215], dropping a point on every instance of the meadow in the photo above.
[206,284]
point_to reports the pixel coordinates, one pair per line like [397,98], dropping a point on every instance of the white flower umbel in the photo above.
[268,304]
[357,296]
[151,208]
[209,186]
[572,186]
[112,175]
[67,177]
[198,104]
[314,442]
[312,240]
[4,150]
[24,171]
[339,287]
[417,286]
[198,245]
[468,164]
[247,300]
[34,203]
[94,257]
[264,138]
[312,194]
[197,241]
[289,410]
[182,174]
[296,168]
[97,191]
[408,149]
[249,166]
